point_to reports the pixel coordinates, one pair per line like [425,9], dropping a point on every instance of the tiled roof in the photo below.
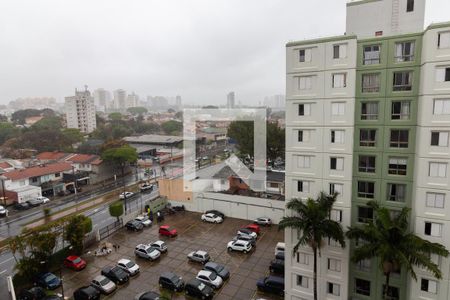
[51,155]
[38,171]
[82,158]
[5,165]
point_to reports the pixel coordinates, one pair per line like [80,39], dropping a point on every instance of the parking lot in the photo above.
[193,235]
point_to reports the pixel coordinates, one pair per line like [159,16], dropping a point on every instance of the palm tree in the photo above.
[389,239]
[311,219]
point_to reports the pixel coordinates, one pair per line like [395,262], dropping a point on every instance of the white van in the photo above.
[279,248]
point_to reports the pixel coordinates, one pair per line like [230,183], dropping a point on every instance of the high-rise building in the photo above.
[230,100]
[178,102]
[132,100]
[275,101]
[80,111]
[368,116]
[101,98]
[158,102]
[119,100]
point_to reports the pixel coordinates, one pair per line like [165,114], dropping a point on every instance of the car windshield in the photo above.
[50,277]
[212,276]
[129,264]
[218,268]
[175,279]
[76,260]
[201,286]
[105,281]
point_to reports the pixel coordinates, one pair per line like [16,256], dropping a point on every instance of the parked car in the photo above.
[219,269]
[147,187]
[134,225]
[148,296]
[103,284]
[277,266]
[128,266]
[75,262]
[147,252]
[199,256]
[197,289]
[280,255]
[171,281]
[126,195]
[35,293]
[116,274]
[43,199]
[248,232]
[253,227]
[160,246]
[167,231]
[280,247]
[210,278]
[86,293]
[212,218]
[22,206]
[34,202]
[216,212]
[263,221]
[246,238]
[3,211]
[271,284]
[48,281]
[238,245]
[145,220]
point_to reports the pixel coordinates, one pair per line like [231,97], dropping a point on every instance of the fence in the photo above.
[110,229]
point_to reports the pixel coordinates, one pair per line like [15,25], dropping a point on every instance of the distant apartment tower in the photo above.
[230,100]
[158,102]
[368,116]
[119,100]
[275,101]
[101,98]
[132,100]
[178,102]
[80,111]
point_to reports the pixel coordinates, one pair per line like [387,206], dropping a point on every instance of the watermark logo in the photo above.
[256,179]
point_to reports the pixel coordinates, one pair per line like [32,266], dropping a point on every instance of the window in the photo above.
[302,281]
[397,166]
[340,51]
[444,40]
[34,179]
[396,192]
[337,163]
[337,108]
[433,229]
[304,109]
[366,164]
[336,215]
[410,6]
[369,111]
[304,161]
[437,170]
[366,189]
[365,214]
[305,55]
[400,110]
[339,80]
[393,292]
[362,287]
[333,289]
[303,186]
[404,51]
[428,285]
[370,83]
[304,82]
[441,107]
[371,55]
[336,188]
[57,174]
[435,200]
[439,138]
[304,136]
[337,136]
[333,243]
[402,81]
[367,137]
[302,258]
[399,138]
[443,74]
[364,265]
[334,265]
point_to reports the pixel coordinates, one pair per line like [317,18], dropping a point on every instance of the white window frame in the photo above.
[336,215]
[443,137]
[339,136]
[440,73]
[436,229]
[441,107]
[444,40]
[304,161]
[305,83]
[302,281]
[339,163]
[335,289]
[431,285]
[437,170]
[336,188]
[307,107]
[307,57]
[337,109]
[303,258]
[306,135]
[435,200]
[305,186]
[342,51]
[339,80]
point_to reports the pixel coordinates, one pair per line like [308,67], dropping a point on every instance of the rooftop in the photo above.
[38,171]
[154,139]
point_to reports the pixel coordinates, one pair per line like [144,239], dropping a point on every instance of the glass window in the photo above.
[410,6]
[443,74]
[336,188]
[304,109]
[304,162]
[304,136]
[339,80]
[439,138]
[337,136]
[397,166]
[404,51]
[401,110]
[337,163]
[371,83]
[444,40]
[402,81]
[305,55]
[304,82]
[393,293]
[441,107]
[302,281]
[302,258]
[396,192]
[438,170]
[429,286]
[371,55]
[336,215]
[369,111]
[367,137]
[303,186]
[333,289]
[340,51]
[366,164]
[337,108]
[334,265]
[362,287]
[399,138]
[435,200]
[365,214]
[366,189]
[433,229]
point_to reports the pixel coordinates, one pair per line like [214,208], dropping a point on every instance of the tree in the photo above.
[73,135]
[115,116]
[48,123]
[311,220]
[116,209]
[389,239]
[7,131]
[19,116]
[137,110]
[276,137]
[75,230]
[172,127]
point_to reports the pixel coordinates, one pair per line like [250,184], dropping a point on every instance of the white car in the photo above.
[239,245]
[128,266]
[247,232]
[147,252]
[160,246]
[43,199]
[210,278]
[263,221]
[3,211]
[212,218]
[144,220]
[126,195]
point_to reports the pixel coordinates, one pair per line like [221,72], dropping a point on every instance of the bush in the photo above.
[116,209]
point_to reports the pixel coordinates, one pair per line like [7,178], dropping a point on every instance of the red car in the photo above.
[253,227]
[75,262]
[167,231]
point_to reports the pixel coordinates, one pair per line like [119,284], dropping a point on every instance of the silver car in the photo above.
[103,284]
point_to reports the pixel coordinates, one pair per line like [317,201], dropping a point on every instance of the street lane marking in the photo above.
[6,260]
[4,271]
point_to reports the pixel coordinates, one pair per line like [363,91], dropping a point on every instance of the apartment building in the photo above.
[368,116]
[80,111]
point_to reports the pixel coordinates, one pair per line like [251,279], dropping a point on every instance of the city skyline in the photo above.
[222,51]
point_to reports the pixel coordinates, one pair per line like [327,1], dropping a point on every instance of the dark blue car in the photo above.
[49,281]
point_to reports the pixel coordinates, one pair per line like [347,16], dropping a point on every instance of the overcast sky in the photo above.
[199,49]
